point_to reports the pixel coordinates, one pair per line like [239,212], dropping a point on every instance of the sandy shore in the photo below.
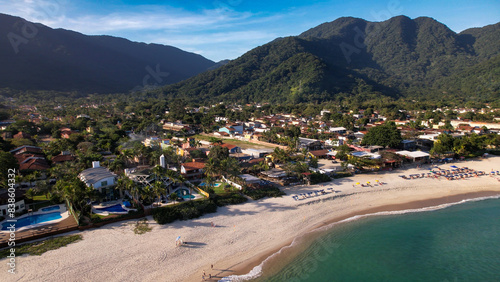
[244,234]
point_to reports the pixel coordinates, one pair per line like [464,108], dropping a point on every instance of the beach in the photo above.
[245,235]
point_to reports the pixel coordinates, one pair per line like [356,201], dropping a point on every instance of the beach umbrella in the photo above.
[178,238]
[357,183]
[376,180]
[368,182]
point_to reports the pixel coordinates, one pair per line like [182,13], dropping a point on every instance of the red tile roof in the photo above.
[62,158]
[229,146]
[193,166]
[319,153]
[34,164]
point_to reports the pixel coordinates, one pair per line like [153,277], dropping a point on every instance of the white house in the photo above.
[4,202]
[339,130]
[98,177]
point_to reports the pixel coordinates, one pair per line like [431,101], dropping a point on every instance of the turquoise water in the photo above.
[458,243]
[33,219]
[213,185]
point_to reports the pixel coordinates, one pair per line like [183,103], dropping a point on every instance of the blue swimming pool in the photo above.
[112,209]
[213,185]
[52,208]
[33,219]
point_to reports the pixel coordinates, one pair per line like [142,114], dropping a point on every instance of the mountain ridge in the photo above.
[41,58]
[347,57]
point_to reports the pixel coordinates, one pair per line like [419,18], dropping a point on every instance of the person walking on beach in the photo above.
[211,266]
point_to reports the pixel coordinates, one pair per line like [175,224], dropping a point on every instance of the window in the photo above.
[104,183]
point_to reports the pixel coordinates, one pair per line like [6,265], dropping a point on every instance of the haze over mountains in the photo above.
[36,57]
[346,58]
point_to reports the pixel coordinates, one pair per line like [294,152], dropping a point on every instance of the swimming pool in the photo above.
[52,208]
[213,185]
[33,219]
[112,209]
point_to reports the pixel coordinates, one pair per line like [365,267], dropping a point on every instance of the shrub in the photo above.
[260,193]
[165,215]
[318,178]
[230,199]
[189,212]
[183,211]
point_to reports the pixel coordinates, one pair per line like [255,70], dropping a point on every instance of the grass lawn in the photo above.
[41,247]
[40,198]
[220,189]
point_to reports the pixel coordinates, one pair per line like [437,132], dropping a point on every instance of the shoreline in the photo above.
[245,267]
[243,235]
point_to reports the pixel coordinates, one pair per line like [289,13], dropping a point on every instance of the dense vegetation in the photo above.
[64,60]
[194,209]
[38,248]
[354,59]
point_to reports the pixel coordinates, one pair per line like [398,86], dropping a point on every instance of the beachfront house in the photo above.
[192,170]
[417,156]
[99,178]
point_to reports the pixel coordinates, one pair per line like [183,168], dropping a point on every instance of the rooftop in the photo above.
[95,174]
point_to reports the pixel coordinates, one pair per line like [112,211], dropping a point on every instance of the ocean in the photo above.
[453,242]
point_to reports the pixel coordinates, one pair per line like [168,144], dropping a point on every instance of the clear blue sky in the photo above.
[225,29]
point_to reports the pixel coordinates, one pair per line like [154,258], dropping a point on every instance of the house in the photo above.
[30,158]
[257,153]
[63,157]
[232,148]
[5,200]
[416,156]
[338,130]
[310,144]
[22,135]
[192,170]
[27,149]
[409,145]
[228,130]
[365,154]
[249,179]
[318,154]
[222,134]
[99,178]
[33,163]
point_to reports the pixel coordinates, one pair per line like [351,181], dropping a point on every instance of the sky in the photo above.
[226,29]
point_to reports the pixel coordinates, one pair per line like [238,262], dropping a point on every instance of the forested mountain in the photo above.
[356,59]
[36,57]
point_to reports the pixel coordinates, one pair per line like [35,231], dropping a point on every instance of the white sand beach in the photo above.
[244,234]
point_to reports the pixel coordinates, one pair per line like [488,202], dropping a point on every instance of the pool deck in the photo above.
[64,225]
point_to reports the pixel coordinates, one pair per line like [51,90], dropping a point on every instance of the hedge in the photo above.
[260,193]
[183,211]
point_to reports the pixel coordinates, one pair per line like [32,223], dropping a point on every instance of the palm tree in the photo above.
[134,188]
[279,155]
[211,168]
[147,192]
[158,189]
[230,167]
